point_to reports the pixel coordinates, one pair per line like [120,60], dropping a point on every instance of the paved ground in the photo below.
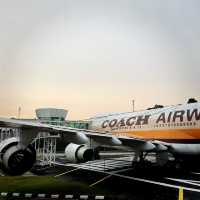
[120,178]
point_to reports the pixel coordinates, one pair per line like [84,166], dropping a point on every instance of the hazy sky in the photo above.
[94,56]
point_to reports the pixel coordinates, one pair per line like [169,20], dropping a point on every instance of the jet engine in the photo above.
[79,153]
[14,159]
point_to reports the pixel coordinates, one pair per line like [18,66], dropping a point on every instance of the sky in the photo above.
[95,56]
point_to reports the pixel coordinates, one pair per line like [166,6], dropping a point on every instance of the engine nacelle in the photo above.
[78,153]
[185,149]
[14,159]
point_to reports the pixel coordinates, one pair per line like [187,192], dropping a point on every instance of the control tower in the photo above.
[52,116]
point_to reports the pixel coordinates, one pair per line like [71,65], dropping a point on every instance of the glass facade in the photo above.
[62,122]
[78,124]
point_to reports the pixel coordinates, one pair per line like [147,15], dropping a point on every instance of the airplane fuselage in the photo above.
[180,124]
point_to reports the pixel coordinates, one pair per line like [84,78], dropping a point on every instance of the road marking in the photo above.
[183,181]
[156,183]
[135,178]
[122,170]
[28,195]
[4,194]
[68,196]
[55,196]
[52,196]
[15,194]
[194,181]
[88,167]
[197,173]
[180,194]
[189,180]
[83,196]
[41,195]
[67,172]
[99,197]
[106,164]
[95,183]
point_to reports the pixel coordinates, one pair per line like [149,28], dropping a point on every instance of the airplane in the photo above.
[171,131]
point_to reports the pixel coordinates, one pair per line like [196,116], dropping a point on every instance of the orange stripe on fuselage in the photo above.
[162,134]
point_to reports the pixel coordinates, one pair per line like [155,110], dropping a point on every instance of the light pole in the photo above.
[133,104]
[19,112]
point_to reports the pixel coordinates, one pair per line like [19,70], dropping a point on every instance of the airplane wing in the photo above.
[14,123]
[22,154]
[29,131]
[75,139]
[107,139]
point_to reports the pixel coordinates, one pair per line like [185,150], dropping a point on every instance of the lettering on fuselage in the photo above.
[135,120]
[164,118]
[179,116]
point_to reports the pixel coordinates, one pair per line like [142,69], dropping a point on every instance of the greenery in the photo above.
[45,184]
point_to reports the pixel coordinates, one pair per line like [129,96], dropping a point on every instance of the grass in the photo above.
[46,184]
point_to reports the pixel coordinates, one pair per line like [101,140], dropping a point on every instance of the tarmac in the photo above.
[122,180]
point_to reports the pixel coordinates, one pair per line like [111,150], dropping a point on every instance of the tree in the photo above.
[192,100]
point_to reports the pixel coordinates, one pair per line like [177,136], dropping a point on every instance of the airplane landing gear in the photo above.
[140,162]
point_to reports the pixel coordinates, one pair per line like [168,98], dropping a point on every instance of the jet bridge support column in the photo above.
[45,145]
[49,150]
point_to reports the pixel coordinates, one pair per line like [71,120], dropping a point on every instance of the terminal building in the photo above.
[55,116]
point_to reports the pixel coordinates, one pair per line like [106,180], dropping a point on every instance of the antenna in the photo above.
[19,112]
[133,104]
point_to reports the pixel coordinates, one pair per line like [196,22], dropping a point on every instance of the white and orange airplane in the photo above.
[179,124]
[168,131]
